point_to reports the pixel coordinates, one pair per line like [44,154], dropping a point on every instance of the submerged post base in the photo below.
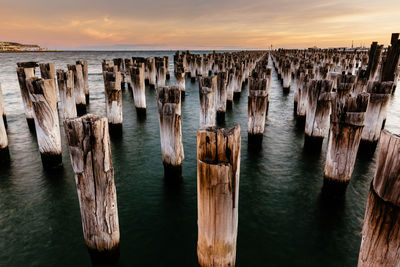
[172,172]
[228,104]
[183,93]
[87,99]
[236,95]
[334,188]
[31,124]
[301,121]
[81,109]
[192,79]
[286,90]
[168,76]
[51,161]
[4,156]
[220,116]
[141,113]
[115,129]
[366,149]
[255,140]
[313,143]
[295,107]
[104,258]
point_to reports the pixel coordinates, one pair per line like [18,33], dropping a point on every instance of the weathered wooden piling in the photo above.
[80,98]
[2,108]
[229,88]
[391,63]
[161,76]
[303,97]
[180,81]
[218,169]
[138,88]
[43,96]
[4,153]
[26,70]
[207,93]
[113,95]
[85,72]
[152,74]
[375,116]
[317,114]
[347,123]
[90,152]
[222,79]
[380,244]
[169,114]
[257,108]
[48,71]
[374,60]
[66,90]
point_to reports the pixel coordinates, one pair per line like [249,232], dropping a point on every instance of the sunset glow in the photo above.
[205,24]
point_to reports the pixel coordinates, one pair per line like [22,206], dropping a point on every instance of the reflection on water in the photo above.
[283,220]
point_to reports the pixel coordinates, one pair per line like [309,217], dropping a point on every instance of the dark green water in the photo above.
[282,219]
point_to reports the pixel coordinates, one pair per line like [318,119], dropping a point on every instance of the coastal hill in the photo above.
[17,47]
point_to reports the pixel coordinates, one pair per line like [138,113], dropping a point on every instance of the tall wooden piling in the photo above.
[79,85]
[347,123]
[26,70]
[180,81]
[43,96]
[66,90]
[375,115]
[169,114]
[218,169]
[380,244]
[138,88]
[113,95]
[374,60]
[222,79]
[257,109]
[207,93]
[317,114]
[90,152]
[85,72]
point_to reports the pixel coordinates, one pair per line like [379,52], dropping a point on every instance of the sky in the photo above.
[197,24]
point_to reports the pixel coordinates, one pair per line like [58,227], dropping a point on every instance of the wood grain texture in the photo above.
[207,94]
[169,114]
[218,168]
[90,152]
[347,122]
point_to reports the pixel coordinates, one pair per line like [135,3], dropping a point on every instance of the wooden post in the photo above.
[180,80]
[207,92]
[152,74]
[25,71]
[380,244]
[169,114]
[222,79]
[90,152]
[218,169]
[79,85]
[113,95]
[257,109]
[375,115]
[85,72]
[391,64]
[347,123]
[160,73]
[2,108]
[138,88]
[303,97]
[67,96]
[317,114]
[374,61]
[229,88]
[4,153]
[43,96]
[286,76]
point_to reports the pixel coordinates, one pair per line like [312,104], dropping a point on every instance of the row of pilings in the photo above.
[334,95]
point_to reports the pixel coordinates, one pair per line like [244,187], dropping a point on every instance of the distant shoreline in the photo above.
[44,51]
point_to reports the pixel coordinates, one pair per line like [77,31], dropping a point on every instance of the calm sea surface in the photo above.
[282,219]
